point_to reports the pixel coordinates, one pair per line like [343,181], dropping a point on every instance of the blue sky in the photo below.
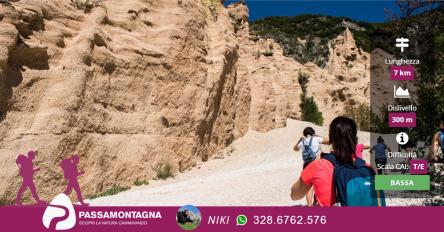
[191,208]
[369,11]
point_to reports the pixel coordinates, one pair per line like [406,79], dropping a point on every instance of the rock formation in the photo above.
[131,84]
[346,60]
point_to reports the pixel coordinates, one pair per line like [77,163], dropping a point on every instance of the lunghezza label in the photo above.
[402,61]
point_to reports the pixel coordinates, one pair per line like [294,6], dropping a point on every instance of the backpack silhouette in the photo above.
[21,159]
[25,167]
[67,168]
[354,184]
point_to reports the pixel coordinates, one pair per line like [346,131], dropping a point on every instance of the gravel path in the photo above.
[256,170]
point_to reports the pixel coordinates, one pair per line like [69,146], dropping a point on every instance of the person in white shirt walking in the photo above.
[310,145]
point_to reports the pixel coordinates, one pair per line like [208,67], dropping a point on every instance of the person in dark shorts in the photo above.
[380,154]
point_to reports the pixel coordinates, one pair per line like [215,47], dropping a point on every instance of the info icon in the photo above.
[402,138]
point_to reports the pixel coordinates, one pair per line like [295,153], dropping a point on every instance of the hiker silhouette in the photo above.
[71,173]
[26,171]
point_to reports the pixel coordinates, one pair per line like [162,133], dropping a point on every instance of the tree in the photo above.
[407,8]
[303,81]
[309,108]
[310,111]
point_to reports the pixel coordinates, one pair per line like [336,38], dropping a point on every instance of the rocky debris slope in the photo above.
[140,85]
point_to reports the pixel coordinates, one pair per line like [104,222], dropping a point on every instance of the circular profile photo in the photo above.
[188,217]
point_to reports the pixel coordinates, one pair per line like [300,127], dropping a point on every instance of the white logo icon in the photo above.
[402,43]
[400,92]
[59,214]
[402,138]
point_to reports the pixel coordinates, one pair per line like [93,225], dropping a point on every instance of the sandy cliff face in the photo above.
[126,86]
[271,77]
[135,83]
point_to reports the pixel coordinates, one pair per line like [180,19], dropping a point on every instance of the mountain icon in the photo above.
[400,92]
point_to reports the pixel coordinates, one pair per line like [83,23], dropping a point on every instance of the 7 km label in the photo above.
[402,73]
[405,119]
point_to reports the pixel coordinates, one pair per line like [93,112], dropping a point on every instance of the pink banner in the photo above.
[215,219]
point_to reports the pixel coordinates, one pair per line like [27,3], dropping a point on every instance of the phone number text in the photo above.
[290,220]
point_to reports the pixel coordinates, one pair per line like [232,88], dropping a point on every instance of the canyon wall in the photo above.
[129,85]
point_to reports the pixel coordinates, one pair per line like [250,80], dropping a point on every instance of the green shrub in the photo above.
[267,53]
[164,170]
[360,113]
[212,3]
[138,182]
[316,30]
[303,81]
[257,54]
[349,66]
[109,192]
[86,5]
[4,202]
[310,111]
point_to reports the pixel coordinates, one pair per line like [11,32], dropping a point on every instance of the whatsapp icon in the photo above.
[241,220]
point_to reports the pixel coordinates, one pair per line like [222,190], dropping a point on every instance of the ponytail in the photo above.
[343,137]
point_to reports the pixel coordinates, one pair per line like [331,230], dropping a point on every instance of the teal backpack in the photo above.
[355,184]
